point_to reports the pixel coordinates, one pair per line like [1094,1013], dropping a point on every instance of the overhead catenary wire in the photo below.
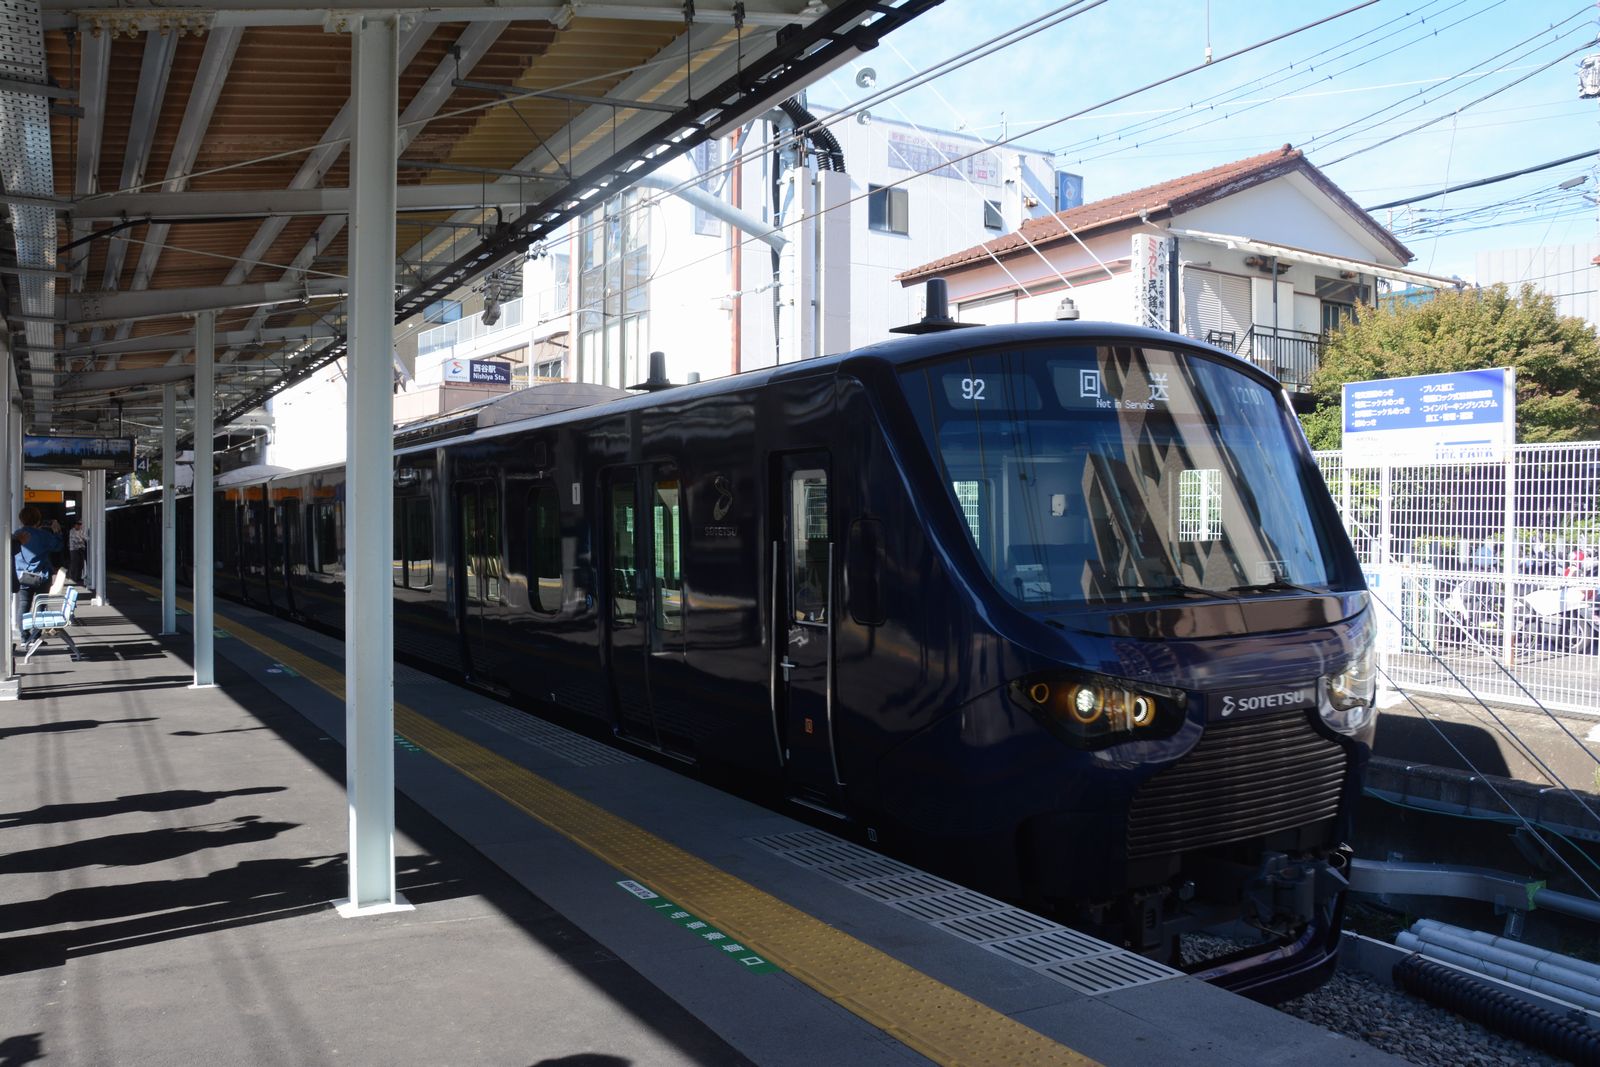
[1507,176]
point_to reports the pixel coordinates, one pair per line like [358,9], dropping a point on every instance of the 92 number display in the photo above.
[972,389]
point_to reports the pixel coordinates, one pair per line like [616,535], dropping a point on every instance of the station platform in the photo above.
[170,857]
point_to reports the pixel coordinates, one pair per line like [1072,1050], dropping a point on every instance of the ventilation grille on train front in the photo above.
[1243,779]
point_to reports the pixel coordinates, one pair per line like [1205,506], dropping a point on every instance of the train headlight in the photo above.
[1092,711]
[1347,698]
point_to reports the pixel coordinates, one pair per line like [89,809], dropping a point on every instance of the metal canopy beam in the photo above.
[63,14]
[233,338]
[254,203]
[159,49]
[84,308]
[759,75]
[470,47]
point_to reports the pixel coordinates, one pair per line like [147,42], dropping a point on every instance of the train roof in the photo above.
[897,351]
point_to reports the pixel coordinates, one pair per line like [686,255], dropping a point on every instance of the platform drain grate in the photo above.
[795,840]
[1114,970]
[1080,962]
[996,926]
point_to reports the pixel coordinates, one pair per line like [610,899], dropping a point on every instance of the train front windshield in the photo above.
[1117,473]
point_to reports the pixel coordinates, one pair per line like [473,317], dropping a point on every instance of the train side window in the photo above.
[397,562]
[808,583]
[413,542]
[491,545]
[327,529]
[624,558]
[470,543]
[666,511]
[544,536]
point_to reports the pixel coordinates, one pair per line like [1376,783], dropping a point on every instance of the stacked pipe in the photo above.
[1540,970]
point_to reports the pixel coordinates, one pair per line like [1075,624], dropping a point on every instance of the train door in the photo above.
[286,524]
[628,614]
[481,588]
[802,605]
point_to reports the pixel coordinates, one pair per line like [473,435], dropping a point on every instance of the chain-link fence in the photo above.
[1490,570]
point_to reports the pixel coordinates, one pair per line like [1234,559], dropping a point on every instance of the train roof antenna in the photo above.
[658,375]
[936,315]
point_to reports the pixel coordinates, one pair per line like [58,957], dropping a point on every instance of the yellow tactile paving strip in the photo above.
[940,1023]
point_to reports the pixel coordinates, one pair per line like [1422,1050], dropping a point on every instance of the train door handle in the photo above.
[787,667]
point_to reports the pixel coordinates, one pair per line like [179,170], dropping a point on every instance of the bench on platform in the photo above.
[51,614]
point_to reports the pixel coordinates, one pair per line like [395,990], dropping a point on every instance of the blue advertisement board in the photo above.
[1430,418]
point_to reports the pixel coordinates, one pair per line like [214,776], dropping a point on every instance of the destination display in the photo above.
[78,453]
[1430,418]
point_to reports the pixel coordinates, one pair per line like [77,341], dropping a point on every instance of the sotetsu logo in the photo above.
[1284,699]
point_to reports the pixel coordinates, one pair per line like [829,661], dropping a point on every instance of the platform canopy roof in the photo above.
[163,159]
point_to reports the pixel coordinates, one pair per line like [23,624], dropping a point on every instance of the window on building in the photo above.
[442,311]
[888,209]
[992,219]
[707,158]
[613,290]
[550,370]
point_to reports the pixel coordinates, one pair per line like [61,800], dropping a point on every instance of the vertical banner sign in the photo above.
[1464,417]
[1152,297]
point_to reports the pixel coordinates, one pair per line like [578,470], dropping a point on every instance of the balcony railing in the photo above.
[1291,356]
[466,329]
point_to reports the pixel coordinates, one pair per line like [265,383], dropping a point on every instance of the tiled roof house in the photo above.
[1197,255]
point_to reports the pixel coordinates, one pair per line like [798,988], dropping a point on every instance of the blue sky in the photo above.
[1378,71]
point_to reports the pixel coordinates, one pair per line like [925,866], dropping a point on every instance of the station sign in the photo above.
[477,371]
[1465,416]
[78,453]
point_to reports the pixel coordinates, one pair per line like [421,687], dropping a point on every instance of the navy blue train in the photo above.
[1063,610]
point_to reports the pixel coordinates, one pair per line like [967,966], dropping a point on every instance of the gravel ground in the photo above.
[1359,1006]
[1391,1020]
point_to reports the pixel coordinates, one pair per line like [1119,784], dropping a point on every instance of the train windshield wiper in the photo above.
[1180,588]
[1276,586]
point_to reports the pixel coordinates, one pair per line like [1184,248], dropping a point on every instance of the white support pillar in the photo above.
[169,510]
[94,515]
[205,355]
[8,660]
[369,485]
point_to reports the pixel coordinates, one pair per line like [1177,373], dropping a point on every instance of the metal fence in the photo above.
[1489,571]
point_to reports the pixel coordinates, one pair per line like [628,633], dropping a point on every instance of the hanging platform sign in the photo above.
[78,453]
[1464,417]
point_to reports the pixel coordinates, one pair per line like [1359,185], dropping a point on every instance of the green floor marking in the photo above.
[708,933]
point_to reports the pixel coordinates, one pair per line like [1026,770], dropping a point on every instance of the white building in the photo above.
[1261,256]
[653,271]
[1569,273]
[656,268]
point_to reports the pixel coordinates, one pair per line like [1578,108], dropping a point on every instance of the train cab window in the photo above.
[666,515]
[808,583]
[544,535]
[624,556]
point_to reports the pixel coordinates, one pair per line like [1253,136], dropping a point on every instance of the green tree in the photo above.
[1557,359]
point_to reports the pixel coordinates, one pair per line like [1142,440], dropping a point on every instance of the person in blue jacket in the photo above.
[35,543]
